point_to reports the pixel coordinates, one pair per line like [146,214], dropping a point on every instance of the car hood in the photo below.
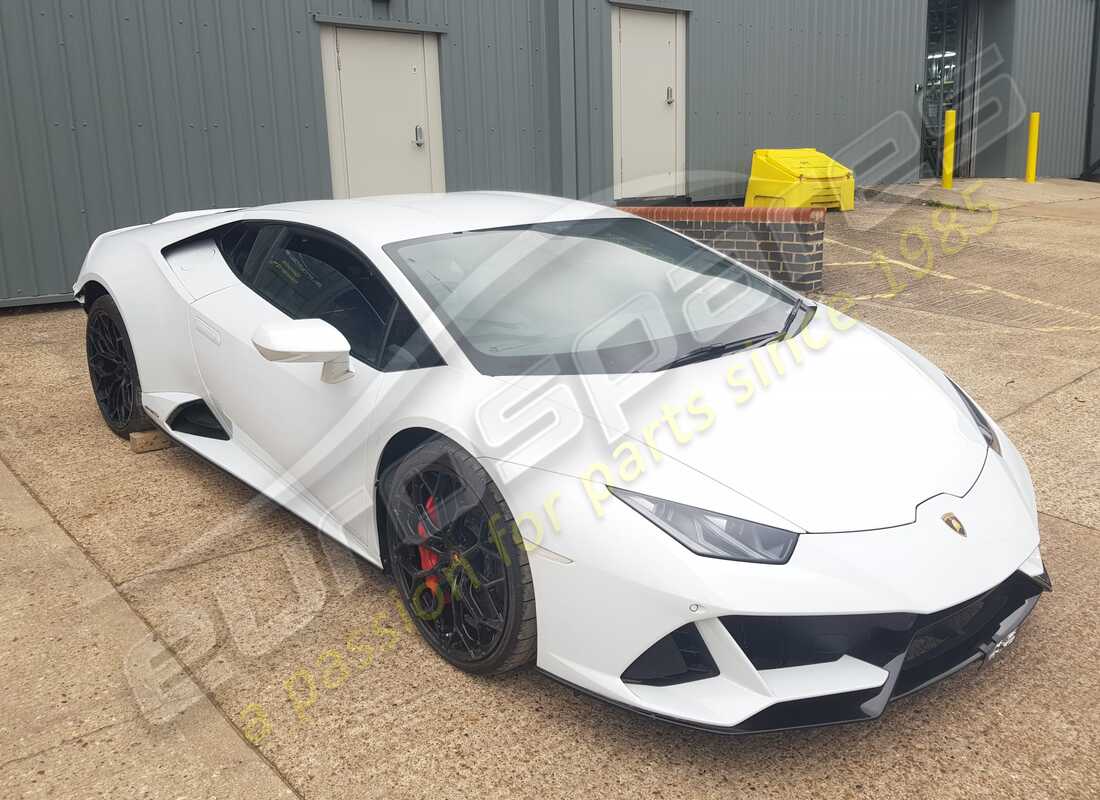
[834,430]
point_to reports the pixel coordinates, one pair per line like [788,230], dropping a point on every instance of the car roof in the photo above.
[393,218]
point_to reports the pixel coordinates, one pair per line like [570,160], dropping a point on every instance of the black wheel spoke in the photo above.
[427,522]
[460,633]
[496,617]
[418,576]
[492,549]
[469,597]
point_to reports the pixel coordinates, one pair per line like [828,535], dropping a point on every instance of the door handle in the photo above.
[208,330]
[668,96]
[418,134]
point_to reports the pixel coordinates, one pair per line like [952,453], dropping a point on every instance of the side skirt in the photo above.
[238,462]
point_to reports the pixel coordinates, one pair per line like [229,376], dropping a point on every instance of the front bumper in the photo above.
[914,651]
[895,655]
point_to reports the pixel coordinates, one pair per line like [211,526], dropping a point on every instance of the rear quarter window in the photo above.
[236,243]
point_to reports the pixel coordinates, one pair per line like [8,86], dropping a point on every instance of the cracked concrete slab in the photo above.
[1059,437]
[70,725]
[130,759]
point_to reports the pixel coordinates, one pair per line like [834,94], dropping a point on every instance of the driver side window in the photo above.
[309,275]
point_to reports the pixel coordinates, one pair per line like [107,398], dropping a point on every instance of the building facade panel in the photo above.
[119,112]
[1043,55]
[1052,57]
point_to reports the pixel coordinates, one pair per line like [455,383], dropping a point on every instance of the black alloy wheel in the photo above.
[452,548]
[112,369]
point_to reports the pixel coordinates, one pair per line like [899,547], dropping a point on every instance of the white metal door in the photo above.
[287,413]
[648,50]
[384,117]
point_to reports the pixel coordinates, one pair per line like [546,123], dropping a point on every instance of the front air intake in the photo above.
[680,657]
[791,641]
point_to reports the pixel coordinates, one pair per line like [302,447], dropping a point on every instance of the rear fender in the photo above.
[153,304]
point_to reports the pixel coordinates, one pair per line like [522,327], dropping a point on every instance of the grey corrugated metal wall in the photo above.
[1051,61]
[782,73]
[1093,157]
[118,112]
[1047,50]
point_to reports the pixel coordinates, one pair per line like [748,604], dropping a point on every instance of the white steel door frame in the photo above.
[334,106]
[678,186]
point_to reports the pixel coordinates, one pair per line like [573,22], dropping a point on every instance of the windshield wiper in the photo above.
[791,317]
[707,352]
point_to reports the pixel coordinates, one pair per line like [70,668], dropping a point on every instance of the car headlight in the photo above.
[980,419]
[713,535]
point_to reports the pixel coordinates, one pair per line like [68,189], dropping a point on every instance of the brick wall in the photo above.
[786,244]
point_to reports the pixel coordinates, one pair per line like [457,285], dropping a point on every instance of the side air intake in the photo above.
[680,657]
[197,419]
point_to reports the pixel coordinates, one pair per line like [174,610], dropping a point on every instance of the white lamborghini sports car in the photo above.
[577,438]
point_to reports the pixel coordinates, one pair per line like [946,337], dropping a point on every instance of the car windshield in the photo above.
[589,296]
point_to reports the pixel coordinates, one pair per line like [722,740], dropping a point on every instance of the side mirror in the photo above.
[306,341]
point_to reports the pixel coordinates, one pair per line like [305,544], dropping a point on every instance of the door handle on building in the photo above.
[419,134]
[668,96]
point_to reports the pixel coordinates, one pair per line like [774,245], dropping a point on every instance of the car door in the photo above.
[311,431]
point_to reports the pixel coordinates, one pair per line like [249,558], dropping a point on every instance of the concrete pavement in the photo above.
[1037,199]
[70,725]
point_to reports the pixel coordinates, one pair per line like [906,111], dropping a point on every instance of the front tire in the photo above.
[112,369]
[453,551]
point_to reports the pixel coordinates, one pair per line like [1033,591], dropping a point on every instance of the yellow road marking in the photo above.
[882,296]
[984,287]
[1064,328]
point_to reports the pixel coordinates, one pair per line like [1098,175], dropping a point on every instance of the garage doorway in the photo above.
[648,73]
[383,109]
[952,66]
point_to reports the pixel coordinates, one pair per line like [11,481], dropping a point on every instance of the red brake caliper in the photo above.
[428,559]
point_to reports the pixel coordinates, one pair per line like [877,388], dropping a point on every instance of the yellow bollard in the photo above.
[1032,147]
[949,149]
